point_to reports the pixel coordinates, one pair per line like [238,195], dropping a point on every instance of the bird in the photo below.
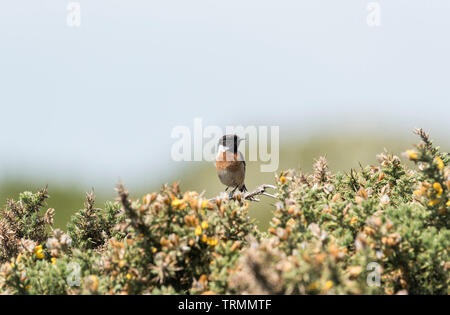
[230,163]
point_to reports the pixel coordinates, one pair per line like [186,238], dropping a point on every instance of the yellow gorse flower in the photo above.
[448,203]
[198,230]
[178,203]
[353,221]
[328,285]
[412,155]
[212,241]
[204,204]
[433,202]
[53,260]
[204,225]
[38,251]
[438,188]
[440,163]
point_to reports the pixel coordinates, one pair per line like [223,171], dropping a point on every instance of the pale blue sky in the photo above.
[99,102]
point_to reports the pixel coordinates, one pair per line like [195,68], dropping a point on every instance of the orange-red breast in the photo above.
[230,163]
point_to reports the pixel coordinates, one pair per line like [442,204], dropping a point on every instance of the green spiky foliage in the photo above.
[91,227]
[381,229]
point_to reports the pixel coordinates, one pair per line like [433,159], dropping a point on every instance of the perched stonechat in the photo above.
[230,163]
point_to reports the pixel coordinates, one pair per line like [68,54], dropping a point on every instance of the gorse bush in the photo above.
[380,230]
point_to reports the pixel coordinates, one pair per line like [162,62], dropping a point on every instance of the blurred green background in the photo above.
[343,153]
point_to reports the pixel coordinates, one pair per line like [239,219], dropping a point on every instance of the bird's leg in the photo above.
[227,188]
[232,193]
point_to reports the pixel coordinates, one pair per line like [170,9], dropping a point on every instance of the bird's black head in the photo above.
[230,141]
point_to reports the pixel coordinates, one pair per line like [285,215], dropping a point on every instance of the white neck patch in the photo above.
[223,148]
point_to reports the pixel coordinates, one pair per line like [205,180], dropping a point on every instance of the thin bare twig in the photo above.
[250,195]
[261,190]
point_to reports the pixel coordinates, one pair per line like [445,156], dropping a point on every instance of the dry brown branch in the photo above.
[424,136]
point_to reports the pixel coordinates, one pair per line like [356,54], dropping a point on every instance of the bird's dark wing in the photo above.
[241,158]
